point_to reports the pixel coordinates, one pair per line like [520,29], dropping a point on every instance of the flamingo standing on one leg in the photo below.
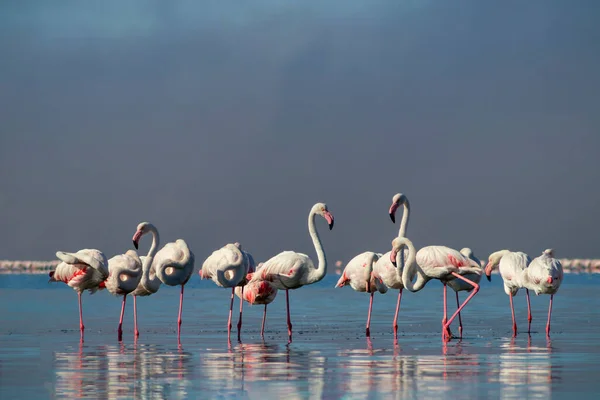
[174,264]
[511,266]
[149,282]
[437,262]
[544,276]
[85,270]
[459,285]
[228,267]
[125,273]
[359,274]
[291,270]
[257,292]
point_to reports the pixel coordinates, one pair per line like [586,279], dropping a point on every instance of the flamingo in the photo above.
[359,274]
[125,273]
[511,266]
[385,267]
[544,276]
[459,285]
[149,282]
[290,270]
[228,267]
[174,263]
[436,262]
[257,292]
[85,270]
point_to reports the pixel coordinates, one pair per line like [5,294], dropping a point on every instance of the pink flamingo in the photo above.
[359,274]
[257,292]
[459,285]
[85,270]
[125,273]
[511,266]
[228,267]
[544,276]
[291,270]
[174,263]
[435,262]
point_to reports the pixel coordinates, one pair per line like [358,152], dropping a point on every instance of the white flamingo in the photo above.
[511,265]
[149,283]
[85,270]
[124,275]
[174,264]
[390,273]
[257,292]
[359,274]
[291,270]
[436,262]
[459,285]
[228,267]
[544,276]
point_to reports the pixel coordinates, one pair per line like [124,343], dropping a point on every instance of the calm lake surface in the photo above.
[41,356]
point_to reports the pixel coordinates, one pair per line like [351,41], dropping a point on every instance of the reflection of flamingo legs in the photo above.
[369,315]
[528,311]
[396,315]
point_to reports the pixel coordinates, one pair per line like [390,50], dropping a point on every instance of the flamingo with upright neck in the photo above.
[228,268]
[85,270]
[173,264]
[290,270]
[125,273]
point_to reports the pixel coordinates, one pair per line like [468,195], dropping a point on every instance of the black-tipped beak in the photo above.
[331,225]
[135,244]
[394,264]
[393,218]
[489,278]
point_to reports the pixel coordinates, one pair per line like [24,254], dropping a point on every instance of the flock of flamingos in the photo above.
[232,267]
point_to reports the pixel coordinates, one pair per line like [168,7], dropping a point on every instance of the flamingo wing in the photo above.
[178,256]
[286,270]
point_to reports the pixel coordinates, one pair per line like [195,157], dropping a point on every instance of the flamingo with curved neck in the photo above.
[149,283]
[173,265]
[290,270]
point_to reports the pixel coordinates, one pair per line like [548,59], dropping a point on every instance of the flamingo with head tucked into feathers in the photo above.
[512,266]
[124,275]
[85,270]
[290,270]
[257,292]
[359,274]
[435,262]
[544,276]
[459,285]
[228,268]
[173,264]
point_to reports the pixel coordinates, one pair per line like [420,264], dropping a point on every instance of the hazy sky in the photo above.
[226,121]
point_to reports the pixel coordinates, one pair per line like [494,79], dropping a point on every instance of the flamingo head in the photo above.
[493,261]
[549,253]
[142,229]
[397,200]
[321,209]
[397,245]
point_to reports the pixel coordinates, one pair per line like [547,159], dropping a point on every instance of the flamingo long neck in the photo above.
[405,216]
[315,275]
[151,284]
[411,269]
[370,263]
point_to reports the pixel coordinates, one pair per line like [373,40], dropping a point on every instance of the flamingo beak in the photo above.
[393,209]
[393,254]
[136,238]
[488,272]
[327,215]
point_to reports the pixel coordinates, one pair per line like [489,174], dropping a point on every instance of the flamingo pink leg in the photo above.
[528,311]
[289,320]
[369,315]
[446,334]
[512,312]
[460,327]
[135,325]
[549,315]
[120,329]
[262,329]
[239,324]
[81,327]
[473,293]
[179,317]
[396,315]
[229,325]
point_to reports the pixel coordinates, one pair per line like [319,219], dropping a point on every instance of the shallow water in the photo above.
[41,356]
